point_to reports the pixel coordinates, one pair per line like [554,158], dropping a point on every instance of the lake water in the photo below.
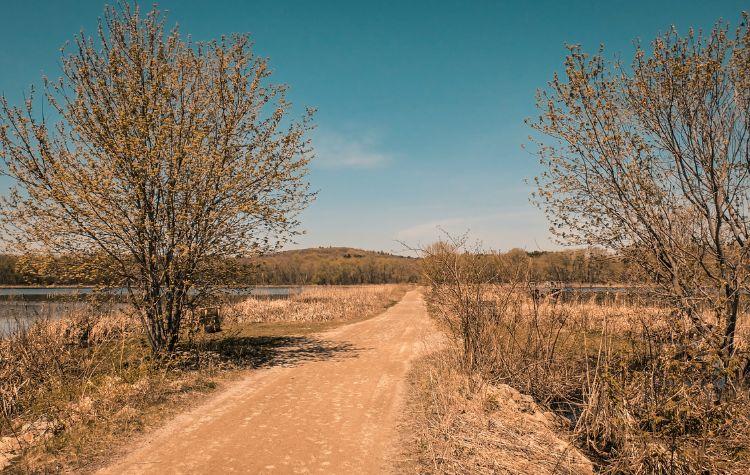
[22,305]
[42,293]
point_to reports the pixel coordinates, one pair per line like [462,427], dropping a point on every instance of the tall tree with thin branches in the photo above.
[652,159]
[166,157]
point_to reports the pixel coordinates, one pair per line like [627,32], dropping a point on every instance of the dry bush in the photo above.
[50,351]
[642,396]
[643,393]
[71,387]
[317,304]
[457,427]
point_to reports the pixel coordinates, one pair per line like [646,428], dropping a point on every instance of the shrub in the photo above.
[643,393]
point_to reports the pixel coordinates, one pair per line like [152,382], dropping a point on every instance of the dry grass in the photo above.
[71,390]
[458,425]
[318,304]
[643,394]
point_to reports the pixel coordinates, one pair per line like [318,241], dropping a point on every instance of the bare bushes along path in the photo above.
[328,408]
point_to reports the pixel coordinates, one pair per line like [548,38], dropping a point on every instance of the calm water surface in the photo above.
[21,306]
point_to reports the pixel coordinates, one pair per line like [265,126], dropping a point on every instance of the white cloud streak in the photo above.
[336,150]
[505,229]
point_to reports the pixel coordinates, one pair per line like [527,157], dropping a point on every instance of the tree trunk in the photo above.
[164,312]
[730,323]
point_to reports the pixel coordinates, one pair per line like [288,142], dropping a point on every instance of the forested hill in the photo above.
[334,265]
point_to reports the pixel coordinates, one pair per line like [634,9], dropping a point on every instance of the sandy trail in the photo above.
[333,411]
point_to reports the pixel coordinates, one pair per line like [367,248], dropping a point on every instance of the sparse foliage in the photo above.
[167,155]
[637,393]
[652,159]
[458,277]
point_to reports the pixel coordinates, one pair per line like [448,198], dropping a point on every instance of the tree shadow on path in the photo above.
[268,351]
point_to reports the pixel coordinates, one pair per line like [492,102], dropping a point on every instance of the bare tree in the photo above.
[467,288]
[167,155]
[653,160]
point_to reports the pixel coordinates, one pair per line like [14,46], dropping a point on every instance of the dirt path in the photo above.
[334,411]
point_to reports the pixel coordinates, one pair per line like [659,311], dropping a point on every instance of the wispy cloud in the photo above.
[504,229]
[434,229]
[350,150]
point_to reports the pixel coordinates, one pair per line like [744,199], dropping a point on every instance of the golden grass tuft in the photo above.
[457,425]
[317,304]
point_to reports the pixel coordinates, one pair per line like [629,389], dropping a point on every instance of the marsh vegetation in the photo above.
[628,382]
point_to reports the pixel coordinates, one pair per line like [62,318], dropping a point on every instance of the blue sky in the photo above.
[420,103]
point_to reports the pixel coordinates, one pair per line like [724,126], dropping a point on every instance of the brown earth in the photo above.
[331,406]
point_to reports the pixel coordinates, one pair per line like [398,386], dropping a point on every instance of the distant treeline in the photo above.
[8,273]
[343,266]
[334,266]
[580,265]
